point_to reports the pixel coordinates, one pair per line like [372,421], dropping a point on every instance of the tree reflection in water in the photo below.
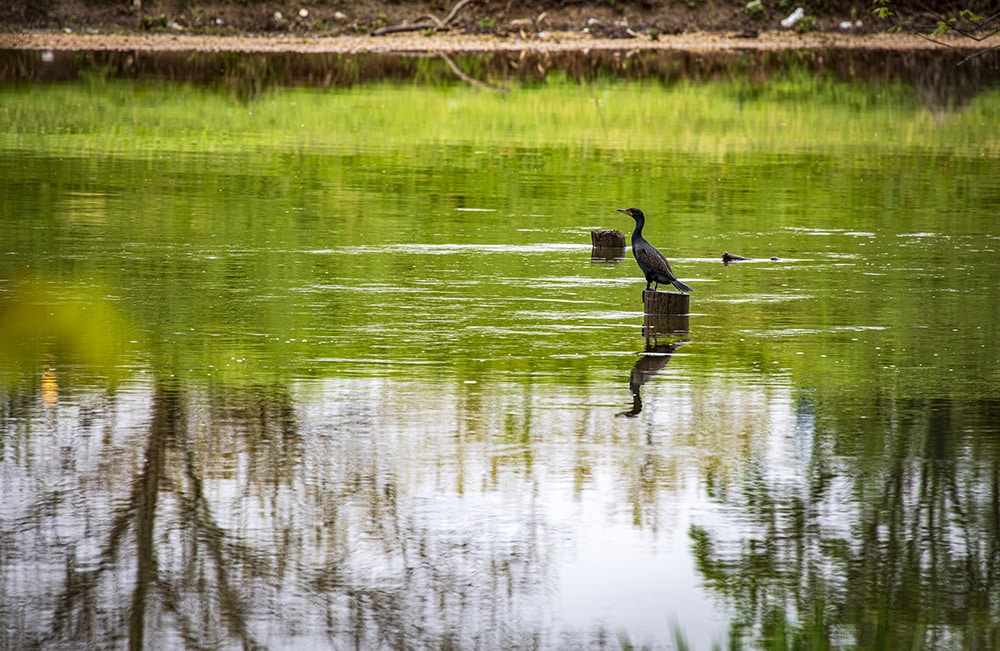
[184,565]
[301,515]
[212,523]
[892,534]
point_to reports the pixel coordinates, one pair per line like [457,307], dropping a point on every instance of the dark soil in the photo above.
[600,18]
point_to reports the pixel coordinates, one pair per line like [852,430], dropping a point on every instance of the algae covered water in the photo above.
[335,368]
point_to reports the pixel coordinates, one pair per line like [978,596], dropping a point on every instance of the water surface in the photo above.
[338,369]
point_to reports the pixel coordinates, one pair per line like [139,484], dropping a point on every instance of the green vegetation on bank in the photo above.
[788,113]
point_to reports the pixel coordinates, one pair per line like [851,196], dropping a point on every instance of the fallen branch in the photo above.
[454,10]
[978,34]
[728,258]
[411,27]
[421,24]
[468,78]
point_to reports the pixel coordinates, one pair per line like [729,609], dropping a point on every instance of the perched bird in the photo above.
[654,266]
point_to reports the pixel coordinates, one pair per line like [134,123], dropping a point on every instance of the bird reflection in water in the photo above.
[650,363]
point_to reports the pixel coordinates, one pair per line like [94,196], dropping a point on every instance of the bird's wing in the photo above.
[654,260]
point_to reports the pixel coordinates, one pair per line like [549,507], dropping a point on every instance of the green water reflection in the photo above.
[337,368]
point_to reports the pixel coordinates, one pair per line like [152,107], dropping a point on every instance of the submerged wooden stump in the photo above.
[608,246]
[607,239]
[664,313]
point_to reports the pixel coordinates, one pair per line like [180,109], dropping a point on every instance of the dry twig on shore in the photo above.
[425,22]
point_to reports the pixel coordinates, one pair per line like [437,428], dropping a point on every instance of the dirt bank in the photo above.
[450,42]
[438,25]
[604,18]
[447,25]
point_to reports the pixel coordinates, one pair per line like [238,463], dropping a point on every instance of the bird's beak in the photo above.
[626,211]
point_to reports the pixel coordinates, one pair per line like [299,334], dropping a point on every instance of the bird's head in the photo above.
[634,213]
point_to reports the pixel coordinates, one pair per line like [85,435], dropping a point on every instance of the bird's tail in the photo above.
[681,286]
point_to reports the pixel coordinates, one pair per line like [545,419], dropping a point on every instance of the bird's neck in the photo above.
[637,231]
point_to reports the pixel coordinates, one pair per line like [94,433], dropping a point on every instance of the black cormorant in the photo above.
[654,266]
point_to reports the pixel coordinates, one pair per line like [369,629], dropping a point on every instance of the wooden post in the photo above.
[607,239]
[664,313]
[665,303]
[608,246]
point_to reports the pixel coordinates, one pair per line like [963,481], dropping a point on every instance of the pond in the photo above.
[335,366]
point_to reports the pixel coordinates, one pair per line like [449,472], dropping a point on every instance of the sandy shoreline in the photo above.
[457,43]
